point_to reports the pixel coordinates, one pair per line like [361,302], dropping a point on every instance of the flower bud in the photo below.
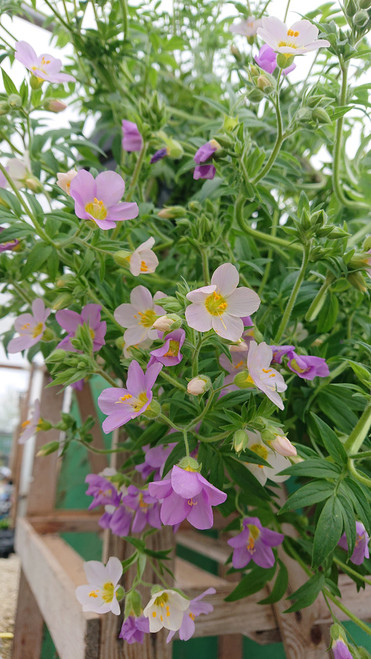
[120,593]
[48,448]
[236,54]
[171,212]
[255,95]
[64,179]
[304,115]
[360,261]
[56,356]
[122,257]
[284,60]
[229,123]
[66,281]
[264,84]
[63,300]
[320,115]
[351,8]
[357,281]
[36,82]
[243,380]
[164,323]
[282,445]
[54,105]
[175,150]
[198,385]
[15,100]
[254,71]
[189,464]
[365,4]
[240,440]
[4,107]
[48,335]
[33,184]
[361,18]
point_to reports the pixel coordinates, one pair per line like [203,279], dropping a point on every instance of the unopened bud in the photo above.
[236,54]
[120,593]
[4,107]
[282,445]
[360,261]
[361,18]
[15,100]
[255,95]
[63,300]
[240,440]
[255,72]
[56,356]
[190,464]
[264,84]
[48,448]
[53,105]
[284,60]
[295,459]
[33,184]
[44,425]
[351,8]
[243,380]
[122,257]
[304,115]
[64,179]
[365,4]
[357,281]
[320,115]
[175,150]
[171,212]
[163,323]
[198,385]
[36,82]
[48,335]
[229,123]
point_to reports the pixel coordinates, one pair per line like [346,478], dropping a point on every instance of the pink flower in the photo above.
[30,327]
[361,550]
[254,543]
[267,60]
[267,379]
[279,352]
[154,460]
[301,38]
[237,365]
[147,509]
[139,316]
[340,650]
[31,426]
[187,495]
[43,66]
[307,367]
[121,405]
[221,305]
[70,321]
[64,179]
[195,608]
[169,354]
[10,244]
[133,629]
[204,171]
[131,137]
[206,151]
[247,27]
[143,260]
[276,461]
[99,199]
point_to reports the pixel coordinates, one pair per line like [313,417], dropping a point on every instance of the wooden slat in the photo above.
[66,521]
[28,628]
[53,570]
[216,549]
[189,576]
[85,401]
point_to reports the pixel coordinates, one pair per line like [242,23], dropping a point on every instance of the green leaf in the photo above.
[328,315]
[279,587]
[330,440]
[9,85]
[328,531]
[307,593]
[362,373]
[251,583]
[314,468]
[349,522]
[36,258]
[308,495]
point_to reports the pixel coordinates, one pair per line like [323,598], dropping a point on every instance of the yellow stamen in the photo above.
[37,330]
[260,450]
[297,368]
[154,614]
[143,266]
[192,503]
[26,326]
[147,318]
[192,616]
[291,33]
[108,592]
[216,304]
[93,593]
[97,209]
[173,349]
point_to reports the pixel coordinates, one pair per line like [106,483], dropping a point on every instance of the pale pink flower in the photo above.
[276,461]
[139,316]
[301,38]
[64,179]
[265,378]
[247,27]
[31,426]
[143,260]
[30,327]
[19,170]
[282,445]
[221,305]
[45,66]
[100,595]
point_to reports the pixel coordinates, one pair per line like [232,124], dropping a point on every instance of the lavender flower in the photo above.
[133,629]
[169,354]
[195,608]
[267,60]
[102,490]
[30,327]
[70,321]
[254,543]
[131,137]
[340,650]
[45,67]
[161,153]
[147,509]
[10,244]
[206,151]
[154,460]
[279,352]
[361,550]
[307,367]
[204,171]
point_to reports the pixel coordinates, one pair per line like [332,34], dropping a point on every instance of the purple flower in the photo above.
[147,509]
[206,151]
[361,546]
[99,199]
[247,322]
[308,367]
[267,60]
[254,542]
[195,608]
[11,244]
[102,490]
[120,521]
[169,354]
[71,320]
[131,137]
[133,629]
[340,650]
[187,495]
[161,153]
[79,385]
[30,327]
[121,405]
[280,351]
[154,460]
[43,66]
[204,171]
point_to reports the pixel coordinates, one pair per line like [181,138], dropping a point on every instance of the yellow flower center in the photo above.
[253,536]
[216,304]
[97,209]
[161,600]
[26,326]
[146,318]
[297,368]
[37,330]
[143,266]
[108,592]
[142,504]
[136,403]
[92,333]
[173,349]
[261,451]
[291,33]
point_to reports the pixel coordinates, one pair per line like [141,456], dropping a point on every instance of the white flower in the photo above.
[301,38]
[19,169]
[100,595]
[278,462]
[143,259]
[139,316]
[31,426]
[248,27]
[264,377]
[166,609]
[64,179]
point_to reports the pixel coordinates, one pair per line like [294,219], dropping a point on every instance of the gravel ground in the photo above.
[9,575]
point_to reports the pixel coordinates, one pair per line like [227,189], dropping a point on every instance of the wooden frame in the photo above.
[51,570]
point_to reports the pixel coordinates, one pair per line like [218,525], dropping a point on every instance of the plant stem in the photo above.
[294,294]
[133,182]
[362,478]
[105,375]
[186,444]
[259,235]
[195,357]
[279,139]
[173,381]
[287,10]
[350,570]
[319,300]
[366,628]
[359,432]
[170,423]
[270,254]
[205,265]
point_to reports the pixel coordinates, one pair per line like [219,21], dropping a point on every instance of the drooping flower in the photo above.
[254,543]
[301,38]
[340,650]
[195,608]
[147,509]
[361,550]
[276,461]
[187,495]
[133,629]
[120,521]
[267,60]
[161,153]
[31,426]
[131,137]
[204,171]
[154,460]
[30,327]
[206,151]
[99,199]
[64,179]
[45,66]
[221,305]
[165,609]
[265,378]
[139,316]
[100,596]
[10,244]
[169,354]
[279,352]
[247,27]
[237,365]
[143,260]
[71,320]
[307,367]
[102,490]
[121,405]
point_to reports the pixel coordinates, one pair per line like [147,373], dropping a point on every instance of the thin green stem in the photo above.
[320,298]
[279,139]
[100,371]
[365,455]
[359,432]
[205,265]
[259,235]
[294,294]
[170,423]
[270,254]
[124,12]
[172,381]
[366,628]
[287,10]
[196,355]
[352,572]
[362,478]
[199,418]
[186,444]
[117,449]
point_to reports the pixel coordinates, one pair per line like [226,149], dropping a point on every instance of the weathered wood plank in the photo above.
[66,521]
[28,628]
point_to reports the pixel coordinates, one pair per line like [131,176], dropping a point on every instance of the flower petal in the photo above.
[226,279]
[228,327]
[243,302]
[198,318]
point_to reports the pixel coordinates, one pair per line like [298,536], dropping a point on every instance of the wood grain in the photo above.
[28,628]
